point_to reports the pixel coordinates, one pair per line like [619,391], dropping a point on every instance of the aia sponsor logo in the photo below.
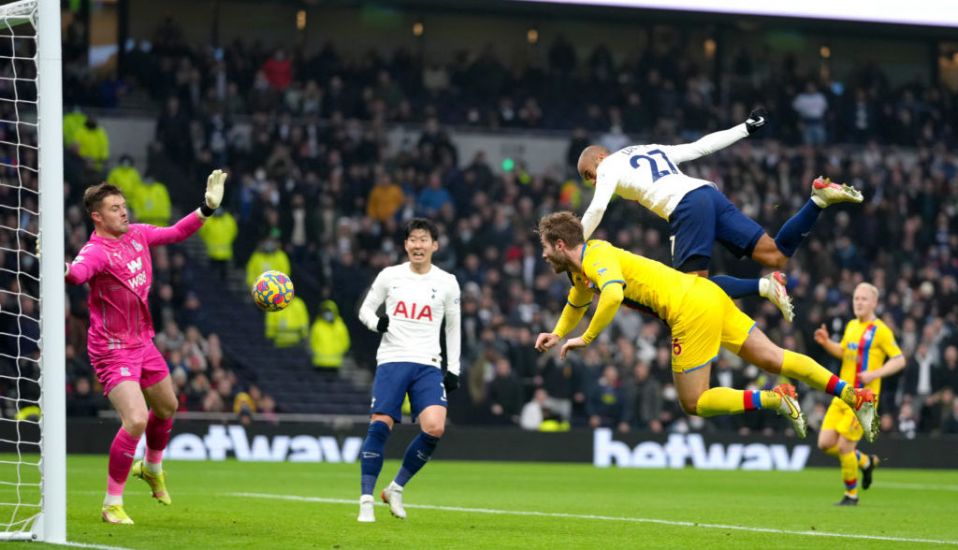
[412,311]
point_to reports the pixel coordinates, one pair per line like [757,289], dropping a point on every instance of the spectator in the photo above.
[83,402]
[385,198]
[329,337]
[648,399]
[125,176]
[505,394]
[278,70]
[288,327]
[434,197]
[93,143]
[218,233]
[173,132]
[268,256]
[152,203]
[534,412]
[608,404]
[811,106]
[951,420]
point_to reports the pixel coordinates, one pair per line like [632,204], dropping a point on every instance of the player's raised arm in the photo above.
[374,299]
[189,224]
[717,140]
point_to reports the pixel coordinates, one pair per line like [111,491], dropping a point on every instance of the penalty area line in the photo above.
[624,519]
[85,545]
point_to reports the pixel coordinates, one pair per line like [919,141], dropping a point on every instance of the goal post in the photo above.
[32,324]
[52,526]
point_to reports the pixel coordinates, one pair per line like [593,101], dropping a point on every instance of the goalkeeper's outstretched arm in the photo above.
[215,186]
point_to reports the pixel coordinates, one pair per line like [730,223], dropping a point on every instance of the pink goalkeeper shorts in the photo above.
[144,365]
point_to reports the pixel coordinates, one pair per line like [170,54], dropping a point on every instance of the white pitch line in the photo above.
[88,545]
[603,518]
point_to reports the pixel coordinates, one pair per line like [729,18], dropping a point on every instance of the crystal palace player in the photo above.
[869,353]
[418,298]
[701,316]
[117,264]
[698,214]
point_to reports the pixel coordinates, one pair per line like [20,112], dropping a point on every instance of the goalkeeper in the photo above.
[116,262]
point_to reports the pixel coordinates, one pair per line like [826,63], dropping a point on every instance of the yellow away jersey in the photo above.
[649,285]
[866,346]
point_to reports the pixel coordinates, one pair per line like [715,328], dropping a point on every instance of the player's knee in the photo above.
[690,405]
[434,429]
[772,258]
[767,358]
[165,410]
[135,423]
[779,260]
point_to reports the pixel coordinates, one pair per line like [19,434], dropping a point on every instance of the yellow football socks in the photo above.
[716,401]
[850,473]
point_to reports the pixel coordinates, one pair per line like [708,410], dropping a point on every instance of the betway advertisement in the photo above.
[603,448]
[682,450]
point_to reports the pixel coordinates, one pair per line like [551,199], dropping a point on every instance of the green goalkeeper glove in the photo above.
[215,185]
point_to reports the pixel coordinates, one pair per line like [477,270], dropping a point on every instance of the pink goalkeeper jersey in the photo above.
[120,273]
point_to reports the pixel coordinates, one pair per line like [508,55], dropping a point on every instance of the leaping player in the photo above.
[698,214]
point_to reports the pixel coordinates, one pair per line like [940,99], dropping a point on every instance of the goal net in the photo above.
[32,435]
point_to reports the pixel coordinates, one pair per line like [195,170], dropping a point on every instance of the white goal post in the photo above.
[33,459]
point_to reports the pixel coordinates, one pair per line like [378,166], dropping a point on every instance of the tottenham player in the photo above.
[698,214]
[418,298]
[135,377]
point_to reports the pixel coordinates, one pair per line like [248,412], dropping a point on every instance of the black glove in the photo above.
[383,324]
[450,381]
[756,119]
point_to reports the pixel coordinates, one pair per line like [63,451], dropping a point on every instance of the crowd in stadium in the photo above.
[312,181]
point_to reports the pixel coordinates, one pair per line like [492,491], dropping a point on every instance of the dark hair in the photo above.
[95,194]
[421,223]
[564,226]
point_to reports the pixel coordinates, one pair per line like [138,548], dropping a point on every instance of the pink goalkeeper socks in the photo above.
[157,436]
[121,459]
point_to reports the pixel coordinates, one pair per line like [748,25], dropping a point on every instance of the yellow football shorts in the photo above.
[707,320]
[841,418]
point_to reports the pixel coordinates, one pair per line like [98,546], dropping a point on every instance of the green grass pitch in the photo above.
[510,505]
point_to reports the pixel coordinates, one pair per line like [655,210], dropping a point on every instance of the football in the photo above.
[272,291]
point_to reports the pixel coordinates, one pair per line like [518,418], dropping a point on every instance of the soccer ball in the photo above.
[272,291]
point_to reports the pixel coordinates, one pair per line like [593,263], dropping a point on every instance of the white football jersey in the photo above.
[649,175]
[416,306]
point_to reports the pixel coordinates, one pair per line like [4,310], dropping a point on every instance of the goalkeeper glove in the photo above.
[756,119]
[450,381]
[383,324]
[215,185]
